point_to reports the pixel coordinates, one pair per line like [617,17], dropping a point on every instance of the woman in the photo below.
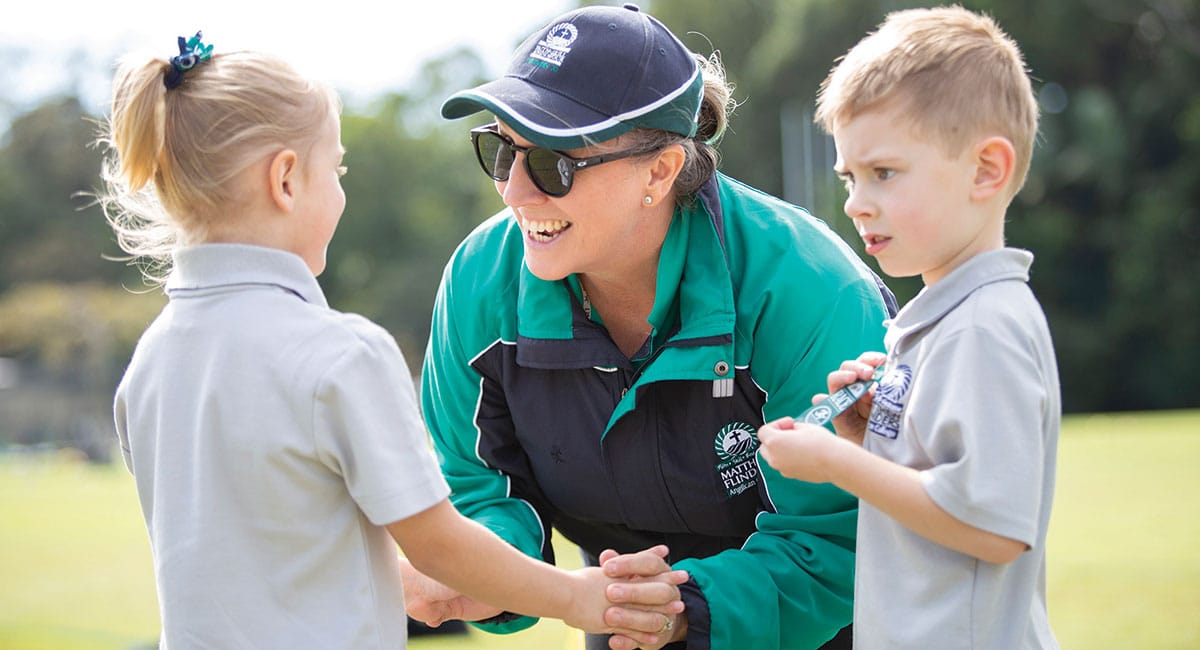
[604,349]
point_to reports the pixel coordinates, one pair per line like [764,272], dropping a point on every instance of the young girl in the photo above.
[276,442]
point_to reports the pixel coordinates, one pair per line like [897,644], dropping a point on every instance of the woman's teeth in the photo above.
[545,231]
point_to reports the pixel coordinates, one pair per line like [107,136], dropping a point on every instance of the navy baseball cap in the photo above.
[590,75]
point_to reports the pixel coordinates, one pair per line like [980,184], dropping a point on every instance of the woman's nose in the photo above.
[519,189]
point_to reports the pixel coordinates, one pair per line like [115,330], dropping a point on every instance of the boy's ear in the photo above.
[282,174]
[995,159]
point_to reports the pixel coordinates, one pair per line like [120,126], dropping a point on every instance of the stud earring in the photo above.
[648,200]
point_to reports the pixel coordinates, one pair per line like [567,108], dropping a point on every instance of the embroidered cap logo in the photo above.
[554,48]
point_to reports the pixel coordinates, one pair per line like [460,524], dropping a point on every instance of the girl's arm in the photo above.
[469,558]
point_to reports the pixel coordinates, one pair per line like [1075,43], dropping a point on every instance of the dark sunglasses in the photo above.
[552,172]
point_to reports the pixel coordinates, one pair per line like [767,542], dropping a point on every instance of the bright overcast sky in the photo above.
[362,47]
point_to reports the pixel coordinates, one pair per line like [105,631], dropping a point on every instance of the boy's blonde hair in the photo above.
[956,74]
[174,155]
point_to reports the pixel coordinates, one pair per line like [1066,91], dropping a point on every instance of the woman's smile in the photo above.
[544,231]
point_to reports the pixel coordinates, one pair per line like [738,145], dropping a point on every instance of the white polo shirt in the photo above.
[971,399]
[270,438]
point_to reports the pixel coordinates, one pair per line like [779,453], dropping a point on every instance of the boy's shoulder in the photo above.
[988,294]
[1005,309]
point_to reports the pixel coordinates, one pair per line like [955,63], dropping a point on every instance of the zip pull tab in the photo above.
[841,399]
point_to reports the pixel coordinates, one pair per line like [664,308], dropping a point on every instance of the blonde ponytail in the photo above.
[174,155]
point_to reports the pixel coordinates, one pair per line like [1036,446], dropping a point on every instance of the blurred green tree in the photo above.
[1112,205]
[1111,208]
[413,191]
[49,231]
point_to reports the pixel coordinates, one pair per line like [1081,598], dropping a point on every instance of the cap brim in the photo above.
[541,116]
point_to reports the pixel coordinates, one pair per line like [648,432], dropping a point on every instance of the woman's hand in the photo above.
[647,610]
[433,603]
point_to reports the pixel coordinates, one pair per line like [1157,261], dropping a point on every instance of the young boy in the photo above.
[952,456]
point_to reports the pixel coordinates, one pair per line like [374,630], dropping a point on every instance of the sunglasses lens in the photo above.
[494,154]
[551,172]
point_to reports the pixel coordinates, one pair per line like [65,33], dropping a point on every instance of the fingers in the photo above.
[607,554]
[784,423]
[647,629]
[873,359]
[620,642]
[853,370]
[649,562]
[431,614]
[659,596]
[842,377]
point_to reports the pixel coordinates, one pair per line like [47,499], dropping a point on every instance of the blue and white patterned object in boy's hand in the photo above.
[841,399]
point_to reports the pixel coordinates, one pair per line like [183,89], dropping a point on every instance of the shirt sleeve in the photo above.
[121,423]
[982,427]
[367,427]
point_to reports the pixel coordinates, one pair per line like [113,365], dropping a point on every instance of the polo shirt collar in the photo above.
[934,302]
[217,266]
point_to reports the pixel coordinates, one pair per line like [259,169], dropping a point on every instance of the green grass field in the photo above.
[1124,571]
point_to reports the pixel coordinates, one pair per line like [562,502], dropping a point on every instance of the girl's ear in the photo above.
[995,158]
[282,175]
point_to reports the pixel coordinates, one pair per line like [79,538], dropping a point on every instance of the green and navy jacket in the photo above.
[539,421]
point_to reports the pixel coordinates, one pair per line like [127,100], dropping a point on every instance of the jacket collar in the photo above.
[554,332]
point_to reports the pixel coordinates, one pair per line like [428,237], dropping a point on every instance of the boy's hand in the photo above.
[798,450]
[852,423]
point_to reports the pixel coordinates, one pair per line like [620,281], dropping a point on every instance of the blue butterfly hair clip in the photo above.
[191,52]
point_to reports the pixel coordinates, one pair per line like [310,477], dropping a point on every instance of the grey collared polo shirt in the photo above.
[271,438]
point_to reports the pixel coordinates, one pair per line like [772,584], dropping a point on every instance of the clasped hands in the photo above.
[642,603]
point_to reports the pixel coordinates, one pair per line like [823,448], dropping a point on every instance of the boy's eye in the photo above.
[884,173]
[847,179]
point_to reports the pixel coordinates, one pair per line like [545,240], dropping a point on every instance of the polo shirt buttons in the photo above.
[721,368]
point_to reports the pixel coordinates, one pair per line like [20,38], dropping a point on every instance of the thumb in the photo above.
[786,423]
